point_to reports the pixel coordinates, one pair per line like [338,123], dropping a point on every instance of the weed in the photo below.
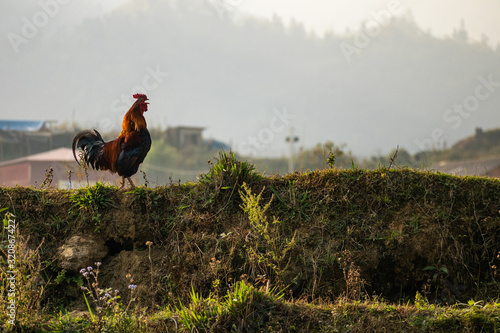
[392,159]
[437,272]
[297,202]
[331,159]
[48,178]
[148,244]
[244,308]
[84,165]
[108,312]
[225,176]
[228,171]
[21,279]
[355,285]
[63,279]
[105,300]
[276,256]
[92,201]
[421,302]
[329,153]
[200,313]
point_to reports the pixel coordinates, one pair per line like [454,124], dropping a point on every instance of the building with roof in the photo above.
[25,125]
[33,170]
[19,138]
[182,137]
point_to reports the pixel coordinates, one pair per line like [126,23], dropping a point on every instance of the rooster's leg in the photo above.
[130,180]
[122,183]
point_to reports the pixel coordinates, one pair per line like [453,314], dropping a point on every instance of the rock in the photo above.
[79,314]
[79,252]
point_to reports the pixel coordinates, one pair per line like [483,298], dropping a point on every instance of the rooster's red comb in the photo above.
[142,96]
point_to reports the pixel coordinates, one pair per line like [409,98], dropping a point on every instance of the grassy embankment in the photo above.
[331,250]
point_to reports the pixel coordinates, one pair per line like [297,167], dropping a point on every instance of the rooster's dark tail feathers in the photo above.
[92,146]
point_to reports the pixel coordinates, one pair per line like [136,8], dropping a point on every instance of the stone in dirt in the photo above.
[79,252]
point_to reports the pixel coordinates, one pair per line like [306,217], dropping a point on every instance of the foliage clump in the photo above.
[228,172]
[268,251]
[90,202]
[243,308]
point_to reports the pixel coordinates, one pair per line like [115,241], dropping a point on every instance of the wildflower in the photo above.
[116,291]
[98,263]
[85,273]
[107,295]
[83,270]
[90,268]
[132,286]
[83,288]
[148,243]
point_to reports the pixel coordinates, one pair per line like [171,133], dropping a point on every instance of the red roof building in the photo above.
[33,170]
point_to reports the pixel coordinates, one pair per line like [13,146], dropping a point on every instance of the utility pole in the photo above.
[291,139]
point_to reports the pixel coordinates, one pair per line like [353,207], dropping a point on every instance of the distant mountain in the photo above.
[481,145]
[248,81]
[485,142]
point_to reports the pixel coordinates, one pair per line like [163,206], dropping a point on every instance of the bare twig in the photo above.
[149,243]
[393,158]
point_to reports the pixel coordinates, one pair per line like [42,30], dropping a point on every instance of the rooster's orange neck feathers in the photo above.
[134,119]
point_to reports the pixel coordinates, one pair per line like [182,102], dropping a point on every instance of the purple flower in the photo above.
[90,268]
[116,291]
[132,286]
[98,263]
[82,270]
[107,295]
[85,273]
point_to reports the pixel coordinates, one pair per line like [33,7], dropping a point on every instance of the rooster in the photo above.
[124,154]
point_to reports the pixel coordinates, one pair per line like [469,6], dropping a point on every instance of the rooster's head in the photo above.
[141,100]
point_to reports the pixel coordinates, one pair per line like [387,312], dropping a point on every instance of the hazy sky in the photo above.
[439,17]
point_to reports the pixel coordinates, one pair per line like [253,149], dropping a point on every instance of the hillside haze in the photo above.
[247,80]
